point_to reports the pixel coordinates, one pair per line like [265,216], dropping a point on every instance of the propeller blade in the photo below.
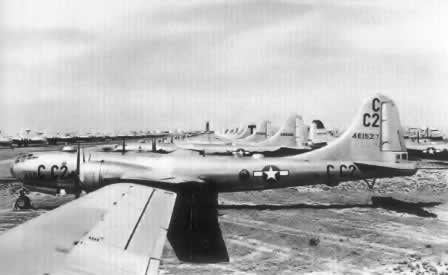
[123,147]
[154,145]
[78,160]
[77,184]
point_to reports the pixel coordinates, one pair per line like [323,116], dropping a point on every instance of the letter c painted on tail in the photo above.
[375,107]
[364,120]
[369,120]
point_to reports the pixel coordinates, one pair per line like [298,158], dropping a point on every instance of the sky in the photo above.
[102,65]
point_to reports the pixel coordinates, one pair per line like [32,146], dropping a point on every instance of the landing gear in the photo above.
[23,201]
[370,184]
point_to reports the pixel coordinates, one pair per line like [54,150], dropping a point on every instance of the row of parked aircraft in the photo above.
[293,137]
[29,138]
[135,201]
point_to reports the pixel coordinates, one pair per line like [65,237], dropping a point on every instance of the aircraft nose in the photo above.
[15,170]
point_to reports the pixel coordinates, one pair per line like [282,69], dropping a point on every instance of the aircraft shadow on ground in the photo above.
[387,203]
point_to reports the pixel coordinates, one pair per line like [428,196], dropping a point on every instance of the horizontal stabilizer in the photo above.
[402,168]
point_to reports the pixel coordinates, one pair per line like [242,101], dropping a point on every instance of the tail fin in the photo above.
[301,132]
[245,132]
[260,133]
[375,135]
[318,133]
[286,136]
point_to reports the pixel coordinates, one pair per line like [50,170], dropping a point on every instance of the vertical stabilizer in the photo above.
[286,136]
[260,133]
[375,135]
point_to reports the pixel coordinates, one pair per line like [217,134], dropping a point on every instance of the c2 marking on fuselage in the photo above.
[41,168]
[344,170]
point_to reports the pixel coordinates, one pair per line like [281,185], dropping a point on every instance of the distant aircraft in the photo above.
[28,139]
[426,144]
[319,136]
[149,146]
[373,147]
[249,136]
[260,134]
[283,143]
[5,141]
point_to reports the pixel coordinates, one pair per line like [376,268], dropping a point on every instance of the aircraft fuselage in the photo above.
[56,171]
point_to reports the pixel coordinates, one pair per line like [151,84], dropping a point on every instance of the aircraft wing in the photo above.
[119,229]
[158,179]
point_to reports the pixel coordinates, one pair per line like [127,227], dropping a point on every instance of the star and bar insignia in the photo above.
[271,173]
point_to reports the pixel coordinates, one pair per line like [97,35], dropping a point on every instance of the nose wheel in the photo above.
[23,201]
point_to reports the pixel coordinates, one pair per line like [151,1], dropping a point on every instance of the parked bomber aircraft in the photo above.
[260,134]
[5,141]
[426,144]
[373,147]
[221,139]
[147,146]
[319,136]
[283,143]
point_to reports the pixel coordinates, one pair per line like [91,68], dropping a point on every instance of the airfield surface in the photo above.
[401,227]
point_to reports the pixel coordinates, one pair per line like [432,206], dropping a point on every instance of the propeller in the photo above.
[123,146]
[77,180]
[154,145]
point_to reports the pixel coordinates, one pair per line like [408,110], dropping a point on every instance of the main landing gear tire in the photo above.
[23,202]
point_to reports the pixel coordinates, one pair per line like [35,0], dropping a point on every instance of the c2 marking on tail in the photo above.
[372,119]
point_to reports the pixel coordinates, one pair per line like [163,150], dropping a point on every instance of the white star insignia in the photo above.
[271,174]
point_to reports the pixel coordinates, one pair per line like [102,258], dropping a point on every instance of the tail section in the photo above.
[301,132]
[260,133]
[317,132]
[286,136]
[375,135]
[245,132]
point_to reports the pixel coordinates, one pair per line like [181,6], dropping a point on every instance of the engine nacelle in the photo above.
[91,175]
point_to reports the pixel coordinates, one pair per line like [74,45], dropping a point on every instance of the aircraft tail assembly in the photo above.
[245,132]
[318,133]
[286,136]
[375,135]
[260,134]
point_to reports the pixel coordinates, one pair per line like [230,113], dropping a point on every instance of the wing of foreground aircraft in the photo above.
[119,229]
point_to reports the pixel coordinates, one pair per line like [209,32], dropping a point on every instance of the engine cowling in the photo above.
[91,175]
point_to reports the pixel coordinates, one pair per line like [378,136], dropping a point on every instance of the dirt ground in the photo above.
[400,227]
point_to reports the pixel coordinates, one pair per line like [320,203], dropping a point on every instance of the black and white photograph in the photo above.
[214,137]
